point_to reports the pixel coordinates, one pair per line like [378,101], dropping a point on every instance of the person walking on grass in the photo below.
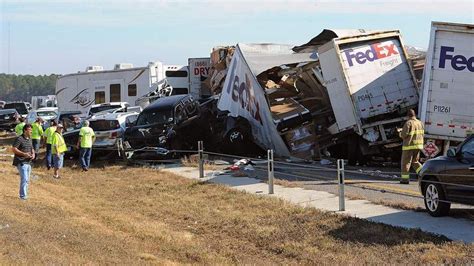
[412,135]
[24,154]
[58,148]
[36,134]
[19,127]
[48,139]
[84,143]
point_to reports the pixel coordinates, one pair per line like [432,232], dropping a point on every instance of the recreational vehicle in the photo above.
[125,83]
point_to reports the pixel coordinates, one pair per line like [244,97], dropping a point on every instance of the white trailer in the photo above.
[370,85]
[77,92]
[198,72]
[446,104]
[43,101]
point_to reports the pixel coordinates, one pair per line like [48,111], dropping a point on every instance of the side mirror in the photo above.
[451,152]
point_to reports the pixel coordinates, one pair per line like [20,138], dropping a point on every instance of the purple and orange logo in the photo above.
[376,51]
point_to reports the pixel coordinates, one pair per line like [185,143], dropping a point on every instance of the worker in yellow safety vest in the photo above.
[19,126]
[412,134]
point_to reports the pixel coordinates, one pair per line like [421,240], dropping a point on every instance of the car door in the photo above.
[461,174]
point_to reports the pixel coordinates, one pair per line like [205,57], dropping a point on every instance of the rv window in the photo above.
[176,74]
[132,89]
[99,97]
[115,92]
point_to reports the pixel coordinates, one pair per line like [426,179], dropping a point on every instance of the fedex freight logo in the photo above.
[376,51]
[458,62]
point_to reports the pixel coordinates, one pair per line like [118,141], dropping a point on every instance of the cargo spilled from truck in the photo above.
[277,122]
[350,88]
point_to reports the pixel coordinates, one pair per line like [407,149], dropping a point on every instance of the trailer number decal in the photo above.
[442,109]
[365,97]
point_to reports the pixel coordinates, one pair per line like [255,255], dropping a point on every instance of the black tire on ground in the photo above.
[434,199]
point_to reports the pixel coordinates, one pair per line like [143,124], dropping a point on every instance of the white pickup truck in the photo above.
[446,104]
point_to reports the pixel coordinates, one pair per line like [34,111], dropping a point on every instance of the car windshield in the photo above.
[20,107]
[104,125]
[47,113]
[155,117]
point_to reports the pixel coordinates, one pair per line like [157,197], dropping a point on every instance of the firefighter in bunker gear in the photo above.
[412,135]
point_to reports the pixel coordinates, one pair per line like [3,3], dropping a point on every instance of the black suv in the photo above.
[452,179]
[21,107]
[171,123]
[8,118]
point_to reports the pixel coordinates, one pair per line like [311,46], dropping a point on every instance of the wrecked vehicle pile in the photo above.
[342,94]
[345,89]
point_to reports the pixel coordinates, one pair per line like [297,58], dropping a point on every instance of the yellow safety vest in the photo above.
[412,135]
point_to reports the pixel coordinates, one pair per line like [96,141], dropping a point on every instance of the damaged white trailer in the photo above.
[243,96]
[371,85]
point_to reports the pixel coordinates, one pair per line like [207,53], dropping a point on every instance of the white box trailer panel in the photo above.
[198,72]
[372,73]
[447,105]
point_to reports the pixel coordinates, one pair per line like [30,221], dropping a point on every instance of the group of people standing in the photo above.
[26,148]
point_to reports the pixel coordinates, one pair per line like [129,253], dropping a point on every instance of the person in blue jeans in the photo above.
[85,141]
[24,154]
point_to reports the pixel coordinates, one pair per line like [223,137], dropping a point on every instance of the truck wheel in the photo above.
[435,200]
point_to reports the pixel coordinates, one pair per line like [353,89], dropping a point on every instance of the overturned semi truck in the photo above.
[347,89]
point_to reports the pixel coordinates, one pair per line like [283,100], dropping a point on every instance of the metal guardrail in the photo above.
[272,165]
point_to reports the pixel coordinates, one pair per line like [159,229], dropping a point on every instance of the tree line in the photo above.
[22,87]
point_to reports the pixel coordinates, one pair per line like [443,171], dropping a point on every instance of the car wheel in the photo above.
[435,200]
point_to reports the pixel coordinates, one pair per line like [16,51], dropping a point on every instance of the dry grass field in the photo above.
[133,215]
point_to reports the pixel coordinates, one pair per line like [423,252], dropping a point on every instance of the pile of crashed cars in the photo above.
[257,97]
[167,128]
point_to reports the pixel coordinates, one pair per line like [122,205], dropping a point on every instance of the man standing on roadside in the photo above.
[36,133]
[58,148]
[19,127]
[412,135]
[48,139]
[85,141]
[24,153]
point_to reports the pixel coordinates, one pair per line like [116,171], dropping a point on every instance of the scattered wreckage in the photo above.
[344,92]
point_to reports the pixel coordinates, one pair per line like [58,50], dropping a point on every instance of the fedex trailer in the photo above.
[125,83]
[371,86]
[446,104]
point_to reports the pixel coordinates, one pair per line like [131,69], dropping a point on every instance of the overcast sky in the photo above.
[44,37]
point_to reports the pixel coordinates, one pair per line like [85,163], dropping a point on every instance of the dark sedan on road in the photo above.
[449,179]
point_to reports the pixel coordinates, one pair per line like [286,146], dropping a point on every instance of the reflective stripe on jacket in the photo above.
[412,135]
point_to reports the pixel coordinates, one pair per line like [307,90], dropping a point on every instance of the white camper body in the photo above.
[370,84]
[446,104]
[77,92]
